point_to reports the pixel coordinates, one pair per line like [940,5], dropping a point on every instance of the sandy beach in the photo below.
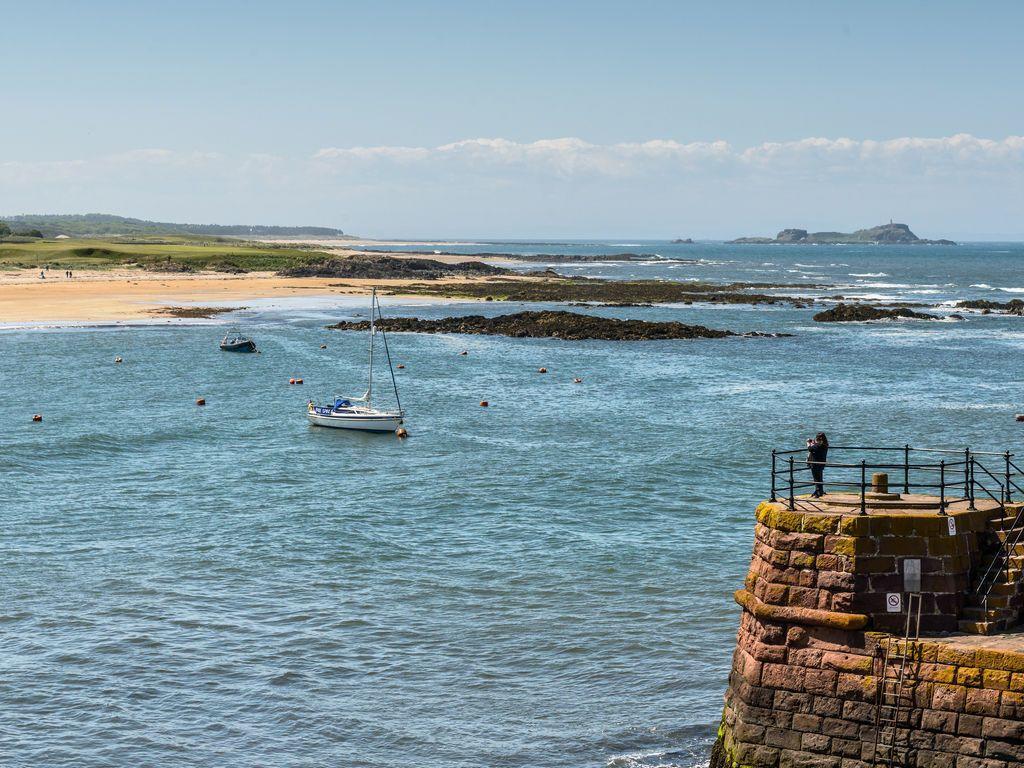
[115,295]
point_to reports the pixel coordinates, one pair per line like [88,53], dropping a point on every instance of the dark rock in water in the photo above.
[392,268]
[890,233]
[1012,307]
[571,326]
[682,241]
[854,313]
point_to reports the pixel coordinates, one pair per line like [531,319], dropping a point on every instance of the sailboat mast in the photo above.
[369,384]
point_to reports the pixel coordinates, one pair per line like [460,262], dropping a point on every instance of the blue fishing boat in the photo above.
[234,341]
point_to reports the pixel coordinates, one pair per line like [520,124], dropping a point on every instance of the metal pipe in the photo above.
[1007,457]
[792,501]
[970,488]
[863,487]
[906,468]
[773,474]
[942,487]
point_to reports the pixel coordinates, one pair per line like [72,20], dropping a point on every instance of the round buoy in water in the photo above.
[200,401]
[291,381]
[399,366]
[37,417]
[463,352]
[577,381]
[118,360]
[542,370]
[323,346]
[1020,417]
[400,432]
[484,403]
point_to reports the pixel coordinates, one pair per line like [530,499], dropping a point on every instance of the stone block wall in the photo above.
[805,676]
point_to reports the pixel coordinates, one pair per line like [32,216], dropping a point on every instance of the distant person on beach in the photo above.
[817,453]
[42,275]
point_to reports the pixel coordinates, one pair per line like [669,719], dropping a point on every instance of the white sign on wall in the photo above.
[951,524]
[894,602]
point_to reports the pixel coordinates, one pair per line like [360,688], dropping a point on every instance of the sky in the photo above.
[519,119]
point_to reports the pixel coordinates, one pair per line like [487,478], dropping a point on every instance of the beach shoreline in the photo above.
[132,295]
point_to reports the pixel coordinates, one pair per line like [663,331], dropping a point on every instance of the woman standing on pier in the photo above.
[817,453]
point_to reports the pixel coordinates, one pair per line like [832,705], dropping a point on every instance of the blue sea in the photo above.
[545,582]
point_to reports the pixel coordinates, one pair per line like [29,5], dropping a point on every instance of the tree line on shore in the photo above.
[6,231]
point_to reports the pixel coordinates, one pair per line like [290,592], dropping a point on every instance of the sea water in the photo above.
[543,582]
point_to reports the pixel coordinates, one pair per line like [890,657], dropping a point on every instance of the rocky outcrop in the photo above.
[884,234]
[1012,307]
[392,268]
[856,313]
[571,326]
[683,241]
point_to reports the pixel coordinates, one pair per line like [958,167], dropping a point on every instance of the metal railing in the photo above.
[967,478]
[952,480]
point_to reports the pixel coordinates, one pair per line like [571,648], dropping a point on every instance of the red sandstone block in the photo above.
[789,702]
[771,653]
[791,758]
[966,761]
[840,729]
[1012,752]
[820,682]
[782,738]
[782,677]
[1011,705]
[934,720]
[960,745]
[856,687]
[815,742]
[981,701]
[756,754]
[805,657]
[806,722]
[996,679]
[802,597]
[836,580]
[845,747]
[950,698]
[847,662]
[827,562]
[969,725]
[998,728]
[849,762]
[859,711]
[929,759]
[842,602]
[827,706]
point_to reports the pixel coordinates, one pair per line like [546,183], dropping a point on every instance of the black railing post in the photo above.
[970,488]
[942,487]
[1007,457]
[906,468]
[792,501]
[773,474]
[863,487]
[967,474]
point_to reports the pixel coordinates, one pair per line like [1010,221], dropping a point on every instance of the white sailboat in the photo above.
[358,412]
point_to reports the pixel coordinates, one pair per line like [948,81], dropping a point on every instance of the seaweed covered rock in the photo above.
[855,313]
[548,324]
[1012,307]
[392,268]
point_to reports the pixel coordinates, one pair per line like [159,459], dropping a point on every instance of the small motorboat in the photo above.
[358,413]
[234,341]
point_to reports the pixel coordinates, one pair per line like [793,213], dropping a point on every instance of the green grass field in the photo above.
[153,253]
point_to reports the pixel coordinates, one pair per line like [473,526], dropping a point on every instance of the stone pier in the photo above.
[826,599]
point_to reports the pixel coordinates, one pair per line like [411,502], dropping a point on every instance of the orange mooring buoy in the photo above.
[542,370]
[200,401]
[400,432]
[291,381]
[484,403]
[37,417]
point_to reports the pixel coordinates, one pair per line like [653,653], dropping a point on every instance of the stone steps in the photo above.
[983,627]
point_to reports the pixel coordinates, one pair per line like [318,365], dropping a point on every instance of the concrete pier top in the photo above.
[888,504]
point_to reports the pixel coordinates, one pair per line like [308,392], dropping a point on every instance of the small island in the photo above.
[683,241]
[883,234]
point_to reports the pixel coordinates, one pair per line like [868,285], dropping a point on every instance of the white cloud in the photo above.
[558,186]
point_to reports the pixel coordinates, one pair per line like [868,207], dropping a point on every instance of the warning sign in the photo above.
[951,524]
[894,602]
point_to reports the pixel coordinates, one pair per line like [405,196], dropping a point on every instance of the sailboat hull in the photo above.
[358,422]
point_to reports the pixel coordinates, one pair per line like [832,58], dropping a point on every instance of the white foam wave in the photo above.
[869,274]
